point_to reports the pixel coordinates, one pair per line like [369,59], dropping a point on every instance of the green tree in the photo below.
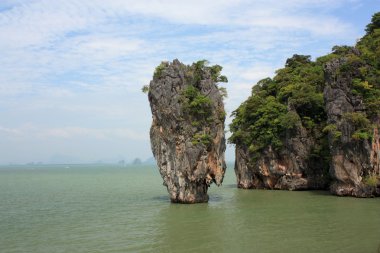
[145,89]
[375,23]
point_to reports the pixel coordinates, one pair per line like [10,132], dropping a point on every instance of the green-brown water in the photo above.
[113,209]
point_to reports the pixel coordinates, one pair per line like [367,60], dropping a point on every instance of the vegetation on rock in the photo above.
[371,180]
[145,89]
[197,106]
[187,132]
[158,71]
[293,99]
[295,96]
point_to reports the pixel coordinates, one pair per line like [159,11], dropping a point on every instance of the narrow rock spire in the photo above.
[187,132]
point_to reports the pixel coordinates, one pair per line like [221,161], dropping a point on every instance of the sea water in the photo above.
[106,208]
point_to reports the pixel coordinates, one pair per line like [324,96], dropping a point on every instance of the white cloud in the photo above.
[81,64]
[38,22]
[9,131]
[97,40]
[257,73]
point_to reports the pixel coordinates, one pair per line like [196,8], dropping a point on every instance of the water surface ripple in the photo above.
[80,208]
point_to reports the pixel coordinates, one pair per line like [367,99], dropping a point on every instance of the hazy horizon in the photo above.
[72,72]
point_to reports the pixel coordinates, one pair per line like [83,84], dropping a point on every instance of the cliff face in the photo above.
[353,159]
[187,132]
[375,152]
[290,169]
[351,150]
[315,124]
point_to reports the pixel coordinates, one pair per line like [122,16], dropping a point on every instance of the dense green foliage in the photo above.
[361,123]
[203,138]
[368,83]
[145,89]
[333,130]
[294,97]
[375,23]
[158,71]
[371,180]
[196,106]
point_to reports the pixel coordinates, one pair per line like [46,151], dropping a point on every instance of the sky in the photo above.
[71,71]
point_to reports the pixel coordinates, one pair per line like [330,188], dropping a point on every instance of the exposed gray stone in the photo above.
[351,159]
[286,170]
[187,165]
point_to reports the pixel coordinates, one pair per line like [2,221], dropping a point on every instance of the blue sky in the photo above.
[71,71]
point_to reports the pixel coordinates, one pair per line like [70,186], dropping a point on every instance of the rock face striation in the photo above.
[352,159]
[289,169]
[187,132]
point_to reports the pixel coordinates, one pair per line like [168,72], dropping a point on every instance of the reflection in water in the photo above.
[189,228]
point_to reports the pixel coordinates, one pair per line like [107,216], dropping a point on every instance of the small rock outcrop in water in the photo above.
[187,132]
[315,124]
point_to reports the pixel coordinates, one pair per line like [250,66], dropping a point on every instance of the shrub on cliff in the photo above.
[196,105]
